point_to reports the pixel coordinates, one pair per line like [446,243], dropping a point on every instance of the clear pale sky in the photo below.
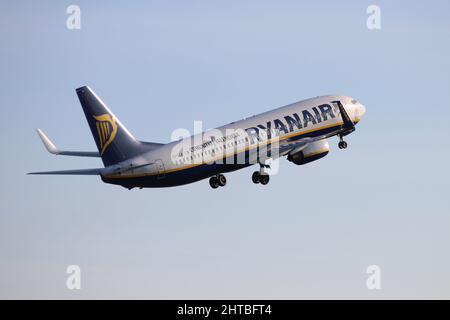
[160,65]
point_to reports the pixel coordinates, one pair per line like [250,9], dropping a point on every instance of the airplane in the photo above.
[298,131]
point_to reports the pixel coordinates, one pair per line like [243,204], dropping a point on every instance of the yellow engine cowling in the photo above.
[312,152]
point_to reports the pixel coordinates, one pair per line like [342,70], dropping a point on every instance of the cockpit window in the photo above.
[354,101]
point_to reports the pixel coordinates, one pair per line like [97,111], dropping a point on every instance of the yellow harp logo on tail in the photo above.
[106,130]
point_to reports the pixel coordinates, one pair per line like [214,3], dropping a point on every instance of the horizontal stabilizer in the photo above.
[50,146]
[81,172]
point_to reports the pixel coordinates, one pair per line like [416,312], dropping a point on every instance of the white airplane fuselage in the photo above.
[286,131]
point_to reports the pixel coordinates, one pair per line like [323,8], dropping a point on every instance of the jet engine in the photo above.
[312,152]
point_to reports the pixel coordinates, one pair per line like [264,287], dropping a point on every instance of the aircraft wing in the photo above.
[50,146]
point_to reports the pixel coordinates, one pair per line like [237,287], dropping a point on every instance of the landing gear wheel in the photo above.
[214,182]
[256,177]
[342,144]
[264,179]
[221,180]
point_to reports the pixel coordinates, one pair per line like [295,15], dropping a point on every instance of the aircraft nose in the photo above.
[361,110]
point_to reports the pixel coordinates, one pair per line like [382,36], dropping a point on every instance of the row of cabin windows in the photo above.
[219,148]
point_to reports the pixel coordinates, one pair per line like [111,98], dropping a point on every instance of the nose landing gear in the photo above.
[342,144]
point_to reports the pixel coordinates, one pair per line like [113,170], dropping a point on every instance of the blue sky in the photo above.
[159,66]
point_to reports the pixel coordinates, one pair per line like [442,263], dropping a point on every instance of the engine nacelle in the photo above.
[312,152]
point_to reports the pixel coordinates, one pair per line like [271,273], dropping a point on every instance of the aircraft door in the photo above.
[158,166]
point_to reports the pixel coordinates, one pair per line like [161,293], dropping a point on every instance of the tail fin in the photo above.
[114,142]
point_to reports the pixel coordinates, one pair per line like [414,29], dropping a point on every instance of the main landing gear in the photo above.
[342,144]
[261,176]
[217,181]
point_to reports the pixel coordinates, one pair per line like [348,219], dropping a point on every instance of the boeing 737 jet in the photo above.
[298,131]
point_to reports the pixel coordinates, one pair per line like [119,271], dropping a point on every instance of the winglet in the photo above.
[49,145]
